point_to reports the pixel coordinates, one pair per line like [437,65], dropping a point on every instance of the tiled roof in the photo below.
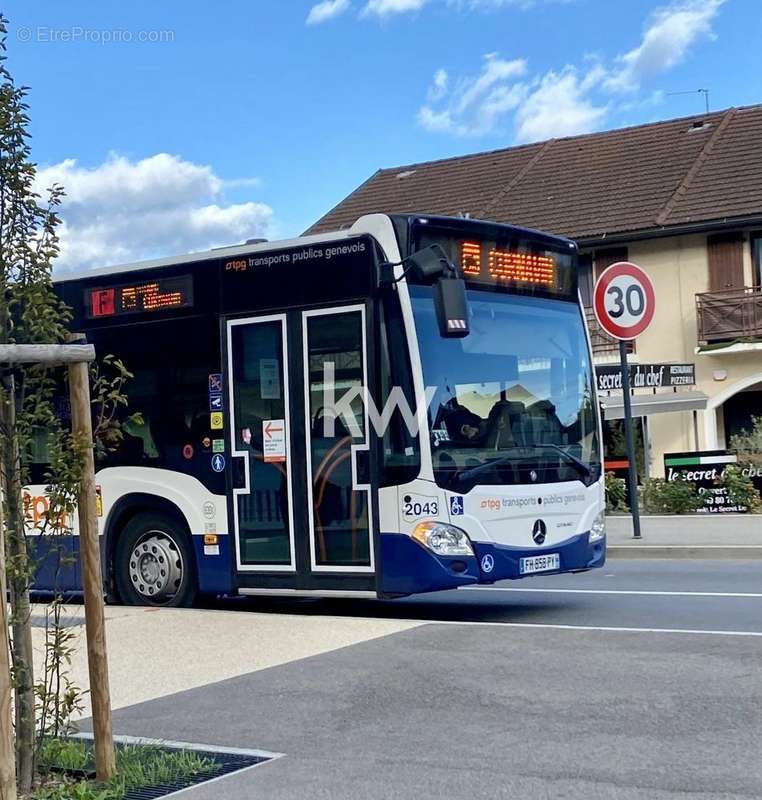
[698,169]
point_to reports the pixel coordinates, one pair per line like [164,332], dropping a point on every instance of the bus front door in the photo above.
[301,501]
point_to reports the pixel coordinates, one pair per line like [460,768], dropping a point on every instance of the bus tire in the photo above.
[154,564]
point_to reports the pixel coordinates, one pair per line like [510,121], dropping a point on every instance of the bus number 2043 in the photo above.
[417,509]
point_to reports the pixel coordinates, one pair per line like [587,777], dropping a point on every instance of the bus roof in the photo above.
[205,255]
[463,223]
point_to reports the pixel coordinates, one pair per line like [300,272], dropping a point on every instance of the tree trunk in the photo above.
[17,565]
[7,757]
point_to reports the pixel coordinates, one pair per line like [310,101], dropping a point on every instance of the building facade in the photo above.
[683,200]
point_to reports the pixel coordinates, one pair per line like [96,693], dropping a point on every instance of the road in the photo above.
[641,681]
[693,595]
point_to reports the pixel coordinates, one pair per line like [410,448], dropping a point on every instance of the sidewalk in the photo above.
[688,536]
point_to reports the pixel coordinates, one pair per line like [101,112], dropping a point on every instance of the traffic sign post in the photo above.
[624,304]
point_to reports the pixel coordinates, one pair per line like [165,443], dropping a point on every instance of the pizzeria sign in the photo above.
[645,376]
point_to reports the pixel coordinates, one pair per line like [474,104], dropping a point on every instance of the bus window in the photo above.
[336,355]
[401,446]
[259,397]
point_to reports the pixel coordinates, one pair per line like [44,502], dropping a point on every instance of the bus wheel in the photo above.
[154,563]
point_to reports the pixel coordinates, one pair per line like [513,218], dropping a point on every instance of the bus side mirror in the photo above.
[451,306]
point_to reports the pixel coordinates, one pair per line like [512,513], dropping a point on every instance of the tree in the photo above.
[30,313]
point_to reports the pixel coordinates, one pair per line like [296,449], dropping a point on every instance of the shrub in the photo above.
[616,493]
[740,490]
[748,443]
[670,497]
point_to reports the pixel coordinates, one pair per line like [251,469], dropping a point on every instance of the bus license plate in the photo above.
[544,563]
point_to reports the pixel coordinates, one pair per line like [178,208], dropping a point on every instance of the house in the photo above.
[681,198]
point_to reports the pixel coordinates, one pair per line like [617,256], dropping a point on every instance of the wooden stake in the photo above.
[49,354]
[92,579]
[7,752]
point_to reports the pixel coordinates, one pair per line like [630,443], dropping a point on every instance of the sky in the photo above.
[178,126]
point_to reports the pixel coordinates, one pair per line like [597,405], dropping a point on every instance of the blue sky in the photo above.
[251,117]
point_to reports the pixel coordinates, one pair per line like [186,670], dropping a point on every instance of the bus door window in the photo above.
[259,399]
[335,353]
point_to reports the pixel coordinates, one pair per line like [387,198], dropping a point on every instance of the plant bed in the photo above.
[145,770]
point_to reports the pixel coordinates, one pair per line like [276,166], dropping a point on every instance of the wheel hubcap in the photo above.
[156,567]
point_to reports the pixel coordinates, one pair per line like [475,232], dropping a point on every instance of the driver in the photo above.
[464,426]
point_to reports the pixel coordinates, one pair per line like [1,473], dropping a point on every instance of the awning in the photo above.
[646,404]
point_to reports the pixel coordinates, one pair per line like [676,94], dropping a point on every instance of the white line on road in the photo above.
[654,593]
[605,628]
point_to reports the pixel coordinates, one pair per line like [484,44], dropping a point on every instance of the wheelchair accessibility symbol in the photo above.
[488,563]
[456,506]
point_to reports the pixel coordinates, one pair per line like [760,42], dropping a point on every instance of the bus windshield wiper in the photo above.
[582,468]
[579,465]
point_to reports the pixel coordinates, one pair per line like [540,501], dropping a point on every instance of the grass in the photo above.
[137,766]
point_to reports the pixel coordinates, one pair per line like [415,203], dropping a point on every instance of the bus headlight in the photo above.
[443,539]
[598,528]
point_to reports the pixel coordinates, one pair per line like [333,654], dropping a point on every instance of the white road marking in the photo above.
[654,593]
[605,628]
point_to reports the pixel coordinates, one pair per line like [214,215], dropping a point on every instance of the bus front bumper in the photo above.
[410,568]
[500,562]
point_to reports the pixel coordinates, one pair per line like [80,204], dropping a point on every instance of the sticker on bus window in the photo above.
[269,378]
[274,440]
[216,420]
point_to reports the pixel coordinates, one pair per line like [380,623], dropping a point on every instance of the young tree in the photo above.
[30,313]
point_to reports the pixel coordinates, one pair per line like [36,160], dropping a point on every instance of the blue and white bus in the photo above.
[407,405]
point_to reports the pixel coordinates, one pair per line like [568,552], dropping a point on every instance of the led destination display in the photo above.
[157,295]
[519,267]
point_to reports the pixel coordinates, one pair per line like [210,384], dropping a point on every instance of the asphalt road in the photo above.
[641,681]
[664,594]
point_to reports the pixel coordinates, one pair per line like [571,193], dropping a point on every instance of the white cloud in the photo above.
[558,106]
[476,105]
[383,8]
[325,10]
[568,100]
[126,210]
[666,41]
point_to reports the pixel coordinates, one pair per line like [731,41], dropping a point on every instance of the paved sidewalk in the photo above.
[688,536]
[155,652]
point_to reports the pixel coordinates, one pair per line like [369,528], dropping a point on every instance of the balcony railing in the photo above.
[603,345]
[729,314]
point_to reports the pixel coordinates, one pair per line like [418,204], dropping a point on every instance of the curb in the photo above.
[684,551]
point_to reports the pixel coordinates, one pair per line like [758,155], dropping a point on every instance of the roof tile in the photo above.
[693,169]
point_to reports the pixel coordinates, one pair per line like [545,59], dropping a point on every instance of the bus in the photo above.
[406,405]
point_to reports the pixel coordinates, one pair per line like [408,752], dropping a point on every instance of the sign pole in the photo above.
[632,472]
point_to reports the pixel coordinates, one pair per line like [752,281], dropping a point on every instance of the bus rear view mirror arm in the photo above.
[425,265]
[450,301]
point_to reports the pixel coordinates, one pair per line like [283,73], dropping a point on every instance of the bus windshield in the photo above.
[513,401]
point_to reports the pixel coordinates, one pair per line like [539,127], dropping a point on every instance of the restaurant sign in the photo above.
[704,468]
[645,376]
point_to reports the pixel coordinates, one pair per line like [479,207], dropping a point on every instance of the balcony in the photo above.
[604,347]
[729,315]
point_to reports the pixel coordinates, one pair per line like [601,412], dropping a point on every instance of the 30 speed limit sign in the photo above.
[624,300]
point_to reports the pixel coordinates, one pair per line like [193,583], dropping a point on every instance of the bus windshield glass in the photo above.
[513,401]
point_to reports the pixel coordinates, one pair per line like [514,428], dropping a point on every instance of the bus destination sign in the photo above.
[161,294]
[508,266]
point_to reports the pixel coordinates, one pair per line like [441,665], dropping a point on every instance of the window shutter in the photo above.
[725,258]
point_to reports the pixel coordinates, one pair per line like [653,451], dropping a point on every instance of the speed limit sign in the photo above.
[624,300]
